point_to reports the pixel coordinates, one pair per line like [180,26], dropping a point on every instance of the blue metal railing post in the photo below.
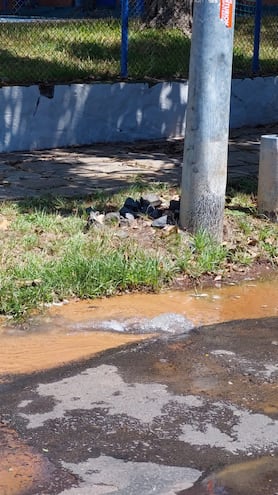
[124,42]
[257,34]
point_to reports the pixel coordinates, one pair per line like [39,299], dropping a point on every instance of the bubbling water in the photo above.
[170,323]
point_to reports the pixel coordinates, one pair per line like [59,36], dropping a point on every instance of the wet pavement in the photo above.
[75,172]
[194,413]
[181,413]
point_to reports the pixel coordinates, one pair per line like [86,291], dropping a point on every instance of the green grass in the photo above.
[47,255]
[243,46]
[62,51]
[70,264]
[89,50]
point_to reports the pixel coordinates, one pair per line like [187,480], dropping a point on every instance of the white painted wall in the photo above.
[254,102]
[84,114]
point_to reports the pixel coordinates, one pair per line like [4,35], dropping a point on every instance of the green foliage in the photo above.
[208,256]
[46,256]
[89,50]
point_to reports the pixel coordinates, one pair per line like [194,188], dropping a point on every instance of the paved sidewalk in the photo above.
[76,172]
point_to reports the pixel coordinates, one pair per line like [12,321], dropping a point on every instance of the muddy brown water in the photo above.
[20,467]
[63,335]
[255,477]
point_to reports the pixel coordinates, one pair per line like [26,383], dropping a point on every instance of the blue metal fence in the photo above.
[249,13]
[266,13]
[124,39]
[257,35]
[110,39]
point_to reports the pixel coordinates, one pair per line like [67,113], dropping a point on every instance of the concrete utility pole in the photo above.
[207,119]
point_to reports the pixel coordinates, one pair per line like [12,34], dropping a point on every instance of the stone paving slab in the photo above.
[77,172]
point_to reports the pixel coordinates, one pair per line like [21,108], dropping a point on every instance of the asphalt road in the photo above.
[190,414]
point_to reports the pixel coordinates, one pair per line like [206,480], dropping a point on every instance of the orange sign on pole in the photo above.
[226,12]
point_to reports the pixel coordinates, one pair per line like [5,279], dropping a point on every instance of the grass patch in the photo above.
[59,51]
[89,49]
[46,255]
[243,46]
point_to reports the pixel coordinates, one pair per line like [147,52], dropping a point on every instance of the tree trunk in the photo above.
[171,13]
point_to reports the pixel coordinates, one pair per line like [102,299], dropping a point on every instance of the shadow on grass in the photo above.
[241,195]
[26,70]
[244,185]
[102,200]
[84,50]
[243,46]
[155,58]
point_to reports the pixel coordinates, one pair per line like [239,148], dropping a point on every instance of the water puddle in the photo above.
[20,467]
[31,352]
[25,470]
[232,302]
[217,363]
[83,328]
[254,477]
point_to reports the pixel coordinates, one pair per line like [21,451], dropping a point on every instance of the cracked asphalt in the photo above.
[189,414]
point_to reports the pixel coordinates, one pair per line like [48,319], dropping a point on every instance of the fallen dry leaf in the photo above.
[4,223]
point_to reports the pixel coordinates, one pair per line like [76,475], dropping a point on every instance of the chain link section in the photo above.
[53,41]
[244,38]
[269,41]
[159,39]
